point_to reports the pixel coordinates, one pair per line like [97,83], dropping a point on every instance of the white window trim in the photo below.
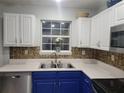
[62,52]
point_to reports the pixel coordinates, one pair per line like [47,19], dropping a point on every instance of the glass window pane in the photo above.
[64,32]
[59,28]
[64,47]
[54,39]
[55,25]
[46,40]
[46,24]
[55,31]
[46,47]
[46,31]
[65,40]
[53,47]
[65,25]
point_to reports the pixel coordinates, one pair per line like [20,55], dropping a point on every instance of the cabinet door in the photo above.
[101,25]
[106,22]
[44,86]
[11,27]
[75,33]
[119,14]
[87,86]
[68,86]
[81,32]
[27,30]
[95,32]
[84,32]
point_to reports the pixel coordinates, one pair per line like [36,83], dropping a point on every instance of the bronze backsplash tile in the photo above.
[105,56]
[19,53]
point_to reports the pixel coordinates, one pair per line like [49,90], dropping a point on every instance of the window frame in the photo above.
[64,52]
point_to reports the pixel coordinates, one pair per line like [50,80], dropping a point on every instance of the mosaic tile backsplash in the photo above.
[105,56]
[29,53]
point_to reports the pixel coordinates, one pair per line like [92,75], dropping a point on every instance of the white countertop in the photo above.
[93,68]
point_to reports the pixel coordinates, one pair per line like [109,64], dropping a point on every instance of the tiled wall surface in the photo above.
[107,57]
[19,53]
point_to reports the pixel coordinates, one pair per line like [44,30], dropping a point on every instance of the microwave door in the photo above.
[115,39]
[121,42]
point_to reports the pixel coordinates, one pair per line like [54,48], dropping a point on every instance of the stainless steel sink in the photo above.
[65,65]
[60,65]
[48,66]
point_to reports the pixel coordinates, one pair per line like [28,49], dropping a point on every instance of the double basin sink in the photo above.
[56,65]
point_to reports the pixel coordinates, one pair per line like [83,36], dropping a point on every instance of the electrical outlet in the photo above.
[112,57]
[83,52]
[26,52]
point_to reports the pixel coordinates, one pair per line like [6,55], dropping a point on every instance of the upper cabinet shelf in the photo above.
[19,30]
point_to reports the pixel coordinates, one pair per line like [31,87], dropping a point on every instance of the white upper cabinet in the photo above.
[100,33]
[106,23]
[19,30]
[95,32]
[81,32]
[119,13]
[11,26]
[27,29]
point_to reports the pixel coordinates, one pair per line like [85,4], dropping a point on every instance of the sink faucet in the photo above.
[55,54]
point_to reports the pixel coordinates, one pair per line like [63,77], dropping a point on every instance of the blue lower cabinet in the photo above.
[68,86]
[61,82]
[87,86]
[43,86]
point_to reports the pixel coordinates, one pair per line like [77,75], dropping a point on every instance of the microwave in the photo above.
[117,39]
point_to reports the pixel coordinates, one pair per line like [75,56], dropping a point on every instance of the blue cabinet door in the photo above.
[68,86]
[44,86]
[87,86]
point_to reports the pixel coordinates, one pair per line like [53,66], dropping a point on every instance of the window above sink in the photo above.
[51,31]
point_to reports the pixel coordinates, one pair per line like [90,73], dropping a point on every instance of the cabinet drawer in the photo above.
[71,74]
[43,75]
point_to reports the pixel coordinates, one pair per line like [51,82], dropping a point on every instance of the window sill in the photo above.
[60,53]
